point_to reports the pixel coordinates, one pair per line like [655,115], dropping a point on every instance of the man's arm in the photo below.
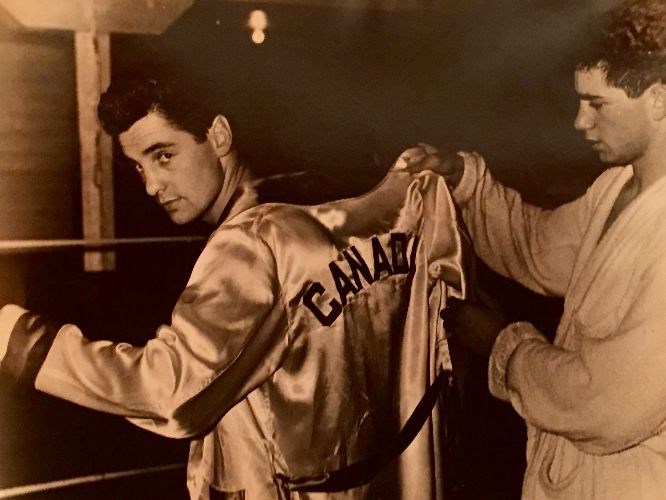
[227,336]
[531,245]
[606,396]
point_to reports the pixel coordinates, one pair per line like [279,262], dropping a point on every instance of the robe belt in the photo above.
[362,472]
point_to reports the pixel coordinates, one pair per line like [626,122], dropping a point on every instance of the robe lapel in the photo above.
[622,243]
[586,263]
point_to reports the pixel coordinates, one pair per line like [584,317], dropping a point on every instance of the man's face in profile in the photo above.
[616,124]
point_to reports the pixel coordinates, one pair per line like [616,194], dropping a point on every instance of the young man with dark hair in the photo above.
[595,399]
[305,338]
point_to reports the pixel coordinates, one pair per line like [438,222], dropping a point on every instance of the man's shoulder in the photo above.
[277,224]
[333,224]
[271,216]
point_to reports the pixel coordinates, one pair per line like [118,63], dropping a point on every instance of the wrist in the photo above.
[508,341]
[458,169]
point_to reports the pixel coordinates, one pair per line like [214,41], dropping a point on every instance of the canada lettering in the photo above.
[385,262]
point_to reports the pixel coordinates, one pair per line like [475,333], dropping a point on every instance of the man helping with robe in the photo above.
[594,400]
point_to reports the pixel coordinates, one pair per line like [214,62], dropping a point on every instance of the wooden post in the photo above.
[93,69]
[92,21]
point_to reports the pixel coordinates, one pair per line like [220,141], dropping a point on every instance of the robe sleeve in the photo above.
[227,335]
[529,244]
[607,396]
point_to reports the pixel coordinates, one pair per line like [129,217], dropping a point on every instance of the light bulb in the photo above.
[258,36]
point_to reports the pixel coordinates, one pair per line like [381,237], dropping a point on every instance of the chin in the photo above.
[609,158]
[615,161]
[181,219]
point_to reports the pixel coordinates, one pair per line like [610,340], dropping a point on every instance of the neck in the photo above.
[234,196]
[650,167]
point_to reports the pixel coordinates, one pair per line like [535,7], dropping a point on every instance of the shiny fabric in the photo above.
[595,401]
[302,342]
[26,351]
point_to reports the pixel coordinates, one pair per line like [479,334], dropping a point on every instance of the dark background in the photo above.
[341,92]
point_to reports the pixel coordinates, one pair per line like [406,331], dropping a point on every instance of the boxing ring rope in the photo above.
[76,481]
[10,247]
[45,245]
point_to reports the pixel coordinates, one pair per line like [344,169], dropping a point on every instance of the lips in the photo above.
[169,205]
[595,143]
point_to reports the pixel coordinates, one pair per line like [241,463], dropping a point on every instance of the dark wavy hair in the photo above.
[190,102]
[630,46]
[130,98]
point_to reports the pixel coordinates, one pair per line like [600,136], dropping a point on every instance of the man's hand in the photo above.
[472,325]
[447,164]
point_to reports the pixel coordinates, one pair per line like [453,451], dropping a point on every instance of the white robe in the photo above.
[595,401]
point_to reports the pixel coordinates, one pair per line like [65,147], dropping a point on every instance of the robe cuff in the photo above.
[505,346]
[473,171]
[25,340]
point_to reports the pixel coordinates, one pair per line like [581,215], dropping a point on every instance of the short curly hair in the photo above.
[130,98]
[631,46]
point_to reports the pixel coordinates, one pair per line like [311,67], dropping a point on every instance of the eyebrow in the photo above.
[589,97]
[156,146]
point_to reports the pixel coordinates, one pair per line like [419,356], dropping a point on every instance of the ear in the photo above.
[219,135]
[657,93]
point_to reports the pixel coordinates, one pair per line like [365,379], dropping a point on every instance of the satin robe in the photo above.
[303,341]
[595,401]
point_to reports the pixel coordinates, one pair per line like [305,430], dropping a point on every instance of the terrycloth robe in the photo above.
[595,401]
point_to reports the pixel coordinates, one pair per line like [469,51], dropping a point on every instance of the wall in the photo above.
[38,138]
[38,146]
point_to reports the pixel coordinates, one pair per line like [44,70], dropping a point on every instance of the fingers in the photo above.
[426,157]
[455,315]
[413,159]
[426,162]
[471,325]
[472,315]
[428,148]
[451,304]
[448,165]
[408,158]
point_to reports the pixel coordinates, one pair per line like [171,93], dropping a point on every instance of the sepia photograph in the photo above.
[332,249]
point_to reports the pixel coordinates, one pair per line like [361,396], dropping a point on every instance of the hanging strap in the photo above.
[363,471]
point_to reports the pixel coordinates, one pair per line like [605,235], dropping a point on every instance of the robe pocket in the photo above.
[602,308]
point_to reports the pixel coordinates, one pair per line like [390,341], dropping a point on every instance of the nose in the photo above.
[584,119]
[152,181]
